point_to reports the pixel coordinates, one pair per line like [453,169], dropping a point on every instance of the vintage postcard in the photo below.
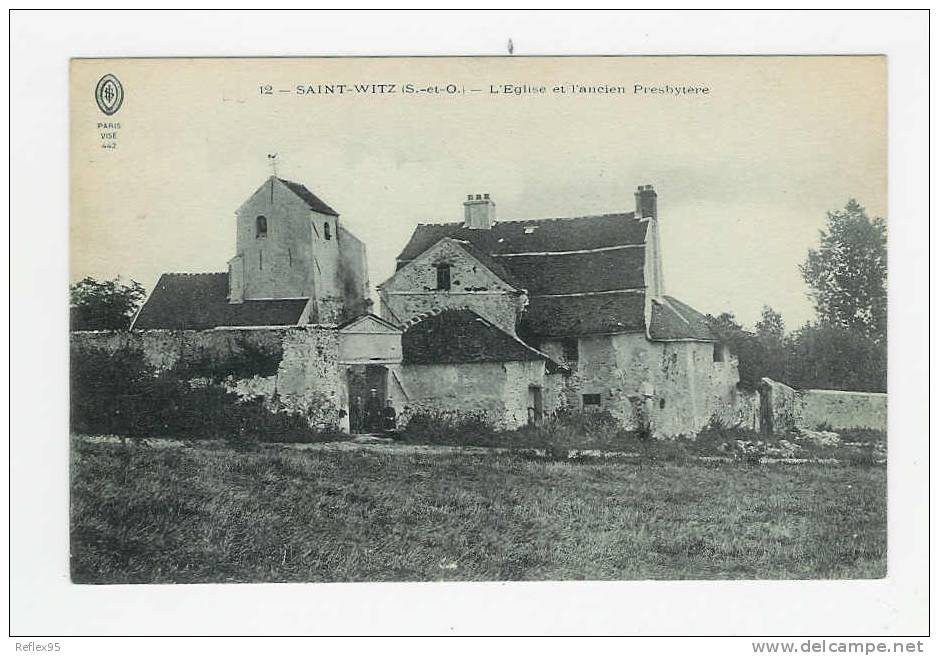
[478,319]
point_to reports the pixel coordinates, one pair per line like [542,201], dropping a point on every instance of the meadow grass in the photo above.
[204,515]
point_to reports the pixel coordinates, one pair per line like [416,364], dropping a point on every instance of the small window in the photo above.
[443,277]
[662,403]
[718,352]
[260,260]
[326,232]
[260,227]
[571,352]
[591,400]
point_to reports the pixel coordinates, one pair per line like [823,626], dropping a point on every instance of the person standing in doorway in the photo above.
[355,418]
[389,417]
[373,412]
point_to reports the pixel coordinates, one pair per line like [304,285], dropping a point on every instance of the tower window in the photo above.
[326,232]
[260,260]
[443,277]
[260,227]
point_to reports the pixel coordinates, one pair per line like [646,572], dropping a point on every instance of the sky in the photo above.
[745,173]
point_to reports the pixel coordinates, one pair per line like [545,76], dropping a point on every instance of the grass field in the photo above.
[195,514]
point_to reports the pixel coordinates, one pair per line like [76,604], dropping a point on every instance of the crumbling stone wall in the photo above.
[458,388]
[743,410]
[497,391]
[840,410]
[303,372]
[785,408]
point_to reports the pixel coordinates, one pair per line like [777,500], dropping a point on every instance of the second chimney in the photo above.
[479,212]
[646,202]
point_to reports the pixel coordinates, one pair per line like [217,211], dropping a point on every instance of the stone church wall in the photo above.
[278,265]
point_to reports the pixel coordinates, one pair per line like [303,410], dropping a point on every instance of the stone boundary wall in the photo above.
[297,365]
[784,408]
[841,410]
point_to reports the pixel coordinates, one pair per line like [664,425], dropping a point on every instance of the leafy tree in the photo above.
[105,304]
[773,345]
[847,273]
[771,326]
[833,357]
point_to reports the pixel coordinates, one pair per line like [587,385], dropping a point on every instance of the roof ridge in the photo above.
[194,273]
[551,218]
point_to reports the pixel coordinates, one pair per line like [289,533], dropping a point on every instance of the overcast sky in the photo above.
[744,174]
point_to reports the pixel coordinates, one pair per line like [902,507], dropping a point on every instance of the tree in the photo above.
[847,273]
[104,305]
[771,326]
[823,356]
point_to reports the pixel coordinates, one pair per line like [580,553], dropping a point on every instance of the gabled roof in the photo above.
[199,301]
[561,263]
[360,322]
[461,337]
[674,320]
[583,275]
[491,263]
[312,201]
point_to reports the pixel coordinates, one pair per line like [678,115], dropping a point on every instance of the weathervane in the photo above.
[272,160]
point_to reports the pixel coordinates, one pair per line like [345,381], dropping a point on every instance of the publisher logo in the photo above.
[109,94]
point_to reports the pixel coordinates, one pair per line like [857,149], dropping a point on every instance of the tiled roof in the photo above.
[542,235]
[549,257]
[599,271]
[563,264]
[199,301]
[309,198]
[462,336]
[583,315]
[675,320]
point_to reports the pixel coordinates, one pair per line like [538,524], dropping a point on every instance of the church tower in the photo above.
[290,245]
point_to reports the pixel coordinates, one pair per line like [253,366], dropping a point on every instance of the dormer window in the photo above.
[326,232]
[443,277]
[260,227]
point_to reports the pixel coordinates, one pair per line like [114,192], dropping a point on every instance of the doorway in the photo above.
[365,407]
[535,405]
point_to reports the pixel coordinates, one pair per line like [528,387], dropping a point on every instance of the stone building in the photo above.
[511,320]
[298,285]
[294,264]
[585,293]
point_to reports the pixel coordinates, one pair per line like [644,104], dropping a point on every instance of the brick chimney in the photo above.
[479,212]
[646,202]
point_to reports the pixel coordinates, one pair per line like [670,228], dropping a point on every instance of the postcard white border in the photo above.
[44,602]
